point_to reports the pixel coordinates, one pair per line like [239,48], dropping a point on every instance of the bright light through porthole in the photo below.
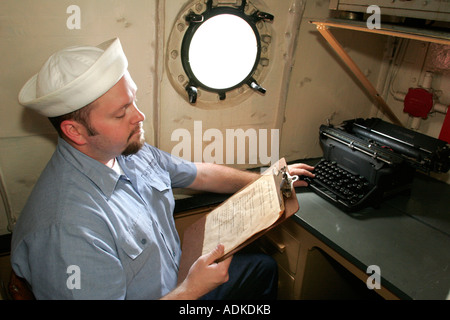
[223,51]
[219,51]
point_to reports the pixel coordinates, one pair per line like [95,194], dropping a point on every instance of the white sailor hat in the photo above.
[74,77]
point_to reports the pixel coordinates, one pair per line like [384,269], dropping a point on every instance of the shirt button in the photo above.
[144,241]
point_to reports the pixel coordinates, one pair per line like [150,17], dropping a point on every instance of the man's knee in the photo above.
[253,276]
[262,276]
[266,264]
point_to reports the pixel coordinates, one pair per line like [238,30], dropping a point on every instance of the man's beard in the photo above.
[134,146]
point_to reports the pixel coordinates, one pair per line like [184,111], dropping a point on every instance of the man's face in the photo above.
[117,121]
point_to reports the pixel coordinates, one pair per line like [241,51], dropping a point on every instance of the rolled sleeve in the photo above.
[182,172]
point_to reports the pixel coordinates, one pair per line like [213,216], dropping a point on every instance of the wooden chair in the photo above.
[19,289]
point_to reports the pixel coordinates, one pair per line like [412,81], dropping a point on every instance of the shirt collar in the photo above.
[102,176]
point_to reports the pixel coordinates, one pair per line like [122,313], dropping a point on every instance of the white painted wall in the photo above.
[322,88]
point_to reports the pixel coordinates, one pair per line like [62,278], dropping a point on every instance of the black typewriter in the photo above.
[348,190]
[366,161]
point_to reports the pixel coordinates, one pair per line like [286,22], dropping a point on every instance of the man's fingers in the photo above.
[226,262]
[215,254]
[301,169]
[220,268]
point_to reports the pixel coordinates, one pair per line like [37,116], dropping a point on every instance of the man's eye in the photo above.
[120,117]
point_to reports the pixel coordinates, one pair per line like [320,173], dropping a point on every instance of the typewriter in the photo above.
[367,160]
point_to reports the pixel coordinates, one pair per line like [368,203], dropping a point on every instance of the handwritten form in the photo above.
[241,219]
[251,210]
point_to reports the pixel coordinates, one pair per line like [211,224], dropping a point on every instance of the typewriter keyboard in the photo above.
[334,183]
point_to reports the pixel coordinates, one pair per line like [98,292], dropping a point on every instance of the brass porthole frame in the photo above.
[182,80]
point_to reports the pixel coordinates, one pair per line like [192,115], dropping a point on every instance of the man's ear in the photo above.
[74,131]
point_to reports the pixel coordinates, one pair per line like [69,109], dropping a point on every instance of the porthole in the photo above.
[217,52]
[224,37]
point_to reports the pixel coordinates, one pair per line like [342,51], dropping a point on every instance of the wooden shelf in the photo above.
[426,34]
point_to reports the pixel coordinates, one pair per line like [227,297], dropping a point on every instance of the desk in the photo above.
[408,237]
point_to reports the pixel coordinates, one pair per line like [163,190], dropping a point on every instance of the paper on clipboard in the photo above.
[250,211]
[240,220]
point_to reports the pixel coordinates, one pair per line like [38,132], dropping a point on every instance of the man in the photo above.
[99,222]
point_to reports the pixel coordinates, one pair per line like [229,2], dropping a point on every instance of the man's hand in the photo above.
[204,276]
[300,169]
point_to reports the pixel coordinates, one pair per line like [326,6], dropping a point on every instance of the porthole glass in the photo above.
[223,51]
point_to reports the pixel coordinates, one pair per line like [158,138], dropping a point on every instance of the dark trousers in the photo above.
[252,276]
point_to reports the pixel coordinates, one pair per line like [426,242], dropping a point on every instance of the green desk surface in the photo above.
[408,237]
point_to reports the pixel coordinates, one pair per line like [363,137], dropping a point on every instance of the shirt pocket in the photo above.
[136,244]
[133,245]
[157,178]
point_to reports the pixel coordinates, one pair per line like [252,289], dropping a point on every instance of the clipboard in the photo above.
[194,235]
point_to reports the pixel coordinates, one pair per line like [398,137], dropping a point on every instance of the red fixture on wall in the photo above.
[418,102]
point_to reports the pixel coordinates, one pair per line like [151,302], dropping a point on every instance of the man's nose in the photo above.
[138,115]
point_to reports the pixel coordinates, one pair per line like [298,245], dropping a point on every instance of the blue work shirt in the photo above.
[88,232]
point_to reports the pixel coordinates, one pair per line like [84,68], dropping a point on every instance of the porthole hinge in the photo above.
[258,15]
[192,92]
[193,17]
[255,86]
